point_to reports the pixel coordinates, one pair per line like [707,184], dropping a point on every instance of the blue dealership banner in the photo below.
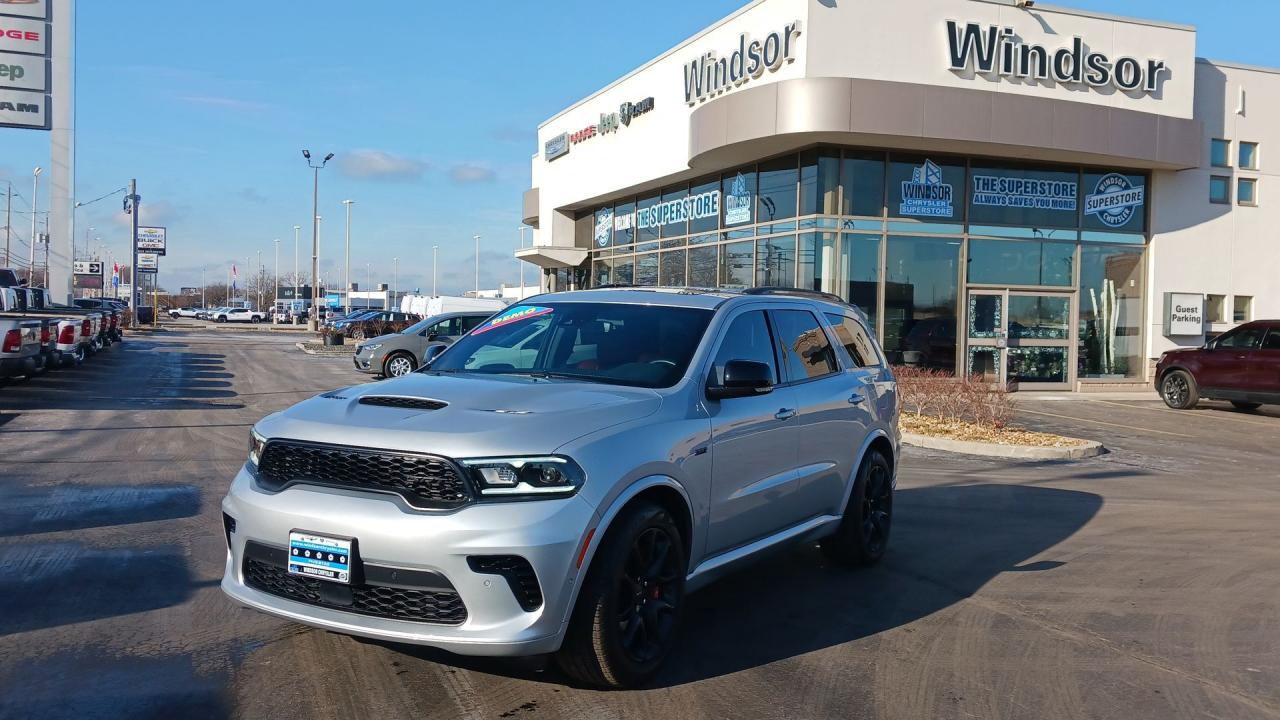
[925,194]
[1017,192]
[1115,200]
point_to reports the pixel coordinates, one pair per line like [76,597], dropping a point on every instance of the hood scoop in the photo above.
[403,403]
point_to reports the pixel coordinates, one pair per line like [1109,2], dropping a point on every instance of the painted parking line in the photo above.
[1209,414]
[1100,422]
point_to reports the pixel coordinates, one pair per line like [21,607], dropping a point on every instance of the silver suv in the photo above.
[558,479]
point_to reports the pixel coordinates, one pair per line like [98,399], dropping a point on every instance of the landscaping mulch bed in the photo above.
[962,430]
[316,348]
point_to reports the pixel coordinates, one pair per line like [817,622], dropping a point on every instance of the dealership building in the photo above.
[1036,194]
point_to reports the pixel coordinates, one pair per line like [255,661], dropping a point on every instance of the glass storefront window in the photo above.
[776,261]
[710,221]
[930,189]
[623,271]
[645,231]
[777,189]
[1114,202]
[1039,317]
[862,273]
[921,285]
[702,266]
[671,269]
[1037,364]
[601,273]
[677,227]
[1110,326]
[1030,197]
[1015,262]
[646,270]
[624,223]
[862,176]
[817,262]
[737,262]
[819,182]
[738,197]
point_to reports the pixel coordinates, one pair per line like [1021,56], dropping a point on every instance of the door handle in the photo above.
[784,414]
[856,399]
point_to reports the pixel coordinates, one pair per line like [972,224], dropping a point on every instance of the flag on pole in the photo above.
[115,274]
[233,276]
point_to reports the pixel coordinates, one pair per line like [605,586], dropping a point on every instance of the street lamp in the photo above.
[346,278]
[312,323]
[275,283]
[435,249]
[368,283]
[477,239]
[258,281]
[395,277]
[297,290]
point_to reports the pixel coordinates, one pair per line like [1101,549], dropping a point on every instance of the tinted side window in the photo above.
[747,339]
[1273,340]
[1242,339]
[806,351]
[850,333]
[469,323]
[446,328]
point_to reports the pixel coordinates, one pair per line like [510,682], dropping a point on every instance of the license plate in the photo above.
[320,557]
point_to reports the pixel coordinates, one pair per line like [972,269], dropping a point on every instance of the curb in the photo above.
[1018,452]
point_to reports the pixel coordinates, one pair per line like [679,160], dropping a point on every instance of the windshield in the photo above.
[634,345]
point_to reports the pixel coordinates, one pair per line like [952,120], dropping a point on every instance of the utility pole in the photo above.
[477,239]
[346,278]
[204,303]
[368,285]
[35,207]
[133,204]
[435,249]
[8,221]
[395,277]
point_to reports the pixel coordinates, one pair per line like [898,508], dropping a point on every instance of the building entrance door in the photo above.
[1020,338]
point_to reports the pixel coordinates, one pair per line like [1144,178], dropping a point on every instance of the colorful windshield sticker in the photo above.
[514,315]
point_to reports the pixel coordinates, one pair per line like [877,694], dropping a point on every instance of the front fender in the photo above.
[862,455]
[603,519]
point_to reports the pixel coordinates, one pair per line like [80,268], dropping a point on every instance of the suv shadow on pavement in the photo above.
[948,542]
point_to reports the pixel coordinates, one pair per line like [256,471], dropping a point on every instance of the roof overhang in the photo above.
[758,121]
[547,256]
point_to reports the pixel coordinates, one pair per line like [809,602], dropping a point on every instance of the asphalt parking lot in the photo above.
[1141,584]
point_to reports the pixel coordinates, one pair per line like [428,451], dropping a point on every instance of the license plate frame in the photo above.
[320,556]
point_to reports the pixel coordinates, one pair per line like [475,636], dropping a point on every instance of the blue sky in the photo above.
[430,106]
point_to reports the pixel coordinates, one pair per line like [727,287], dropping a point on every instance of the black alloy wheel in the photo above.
[627,615]
[1179,390]
[357,333]
[648,595]
[863,535]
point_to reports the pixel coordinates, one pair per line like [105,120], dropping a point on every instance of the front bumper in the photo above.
[547,533]
[367,362]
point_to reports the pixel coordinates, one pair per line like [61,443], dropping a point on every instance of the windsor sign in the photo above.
[998,52]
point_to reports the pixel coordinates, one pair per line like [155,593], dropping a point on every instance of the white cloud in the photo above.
[380,165]
[465,173]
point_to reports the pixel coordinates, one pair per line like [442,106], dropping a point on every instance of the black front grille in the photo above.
[407,403]
[425,481]
[440,607]
[517,572]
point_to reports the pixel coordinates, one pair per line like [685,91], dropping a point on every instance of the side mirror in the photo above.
[743,378]
[431,353]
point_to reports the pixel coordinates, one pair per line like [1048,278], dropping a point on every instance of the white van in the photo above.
[427,306]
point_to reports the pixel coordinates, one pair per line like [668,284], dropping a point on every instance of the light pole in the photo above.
[435,249]
[346,278]
[368,283]
[296,285]
[395,277]
[275,282]
[258,282]
[35,189]
[204,303]
[477,239]
[87,249]
[312,323]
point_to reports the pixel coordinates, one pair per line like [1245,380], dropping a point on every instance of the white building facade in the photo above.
[1038,195]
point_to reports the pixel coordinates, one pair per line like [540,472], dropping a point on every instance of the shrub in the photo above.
[938,394]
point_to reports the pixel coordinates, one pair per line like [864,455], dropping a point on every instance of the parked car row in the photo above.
[37,334]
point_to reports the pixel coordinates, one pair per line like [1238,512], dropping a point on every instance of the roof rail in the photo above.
[801,292]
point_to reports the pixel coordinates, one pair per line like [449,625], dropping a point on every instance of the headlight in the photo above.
[370,348]
[256,443]
[528,477]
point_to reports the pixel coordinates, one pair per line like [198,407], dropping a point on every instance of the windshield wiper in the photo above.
[549,374]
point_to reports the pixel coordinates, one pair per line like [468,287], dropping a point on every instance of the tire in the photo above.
[398,364]
[173,316]
[608,643]
[1246,406]
[1178,390]
[863,535]
[357,334]
[222,318]
[255,319]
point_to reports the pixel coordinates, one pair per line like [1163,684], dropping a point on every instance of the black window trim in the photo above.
[1272,332]
[784,368]
[835,341]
